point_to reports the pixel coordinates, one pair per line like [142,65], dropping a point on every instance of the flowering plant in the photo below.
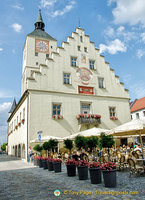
[50,159]
[57,160]
[81,163]
[57,117]
[16,126]
[39,157]
[88,116]
[23,120]
[44,158]
[113,118]
[95,165]
[108,166]
[70,162]
[19,124]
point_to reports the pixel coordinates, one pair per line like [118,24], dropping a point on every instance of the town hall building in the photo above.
[65,90]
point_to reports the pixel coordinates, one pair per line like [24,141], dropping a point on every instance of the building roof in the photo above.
[138,105]
[40,33]
[13,106]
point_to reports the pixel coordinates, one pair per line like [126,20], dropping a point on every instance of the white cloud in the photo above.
[143,37]
[113,47]
[128,11]
[47,3]
[18,7]
[138,90]
[1,49]
[140,53]
[5,106]
[16,27]
[109,31]
[66,9]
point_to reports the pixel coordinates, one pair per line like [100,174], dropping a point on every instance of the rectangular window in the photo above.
[66,78]
[47,55]
[73,61]
[101,82]
[85,108]
[79,48]
[92,63]
[36,53]
[23,113]
[17,120]
[20,116]
[56,109]
[81,38]
[144,113]
[112,112]
[137,115]
[85,49]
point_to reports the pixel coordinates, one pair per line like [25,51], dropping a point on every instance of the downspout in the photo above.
[27,125]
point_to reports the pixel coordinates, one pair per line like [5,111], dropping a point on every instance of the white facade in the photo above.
[53,88]
[139,114]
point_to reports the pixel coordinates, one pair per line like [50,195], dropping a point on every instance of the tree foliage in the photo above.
[80,142]
[3,146]
[106,141]
[92,142]
[53,144]
[46,146]
[68,144]
[37,147]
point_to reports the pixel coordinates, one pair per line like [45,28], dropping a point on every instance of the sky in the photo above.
[117,27]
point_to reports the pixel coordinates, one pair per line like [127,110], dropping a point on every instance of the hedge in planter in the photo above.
[71,167]
[57,165]
[109,174]
[82,166]
[95,172]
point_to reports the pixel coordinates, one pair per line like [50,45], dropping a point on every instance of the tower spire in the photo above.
[39,24]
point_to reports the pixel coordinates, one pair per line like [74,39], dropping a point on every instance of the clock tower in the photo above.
[37,48]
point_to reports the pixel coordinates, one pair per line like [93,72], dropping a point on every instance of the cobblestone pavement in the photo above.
[33,183]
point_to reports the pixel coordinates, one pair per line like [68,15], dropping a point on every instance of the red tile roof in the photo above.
[138,105]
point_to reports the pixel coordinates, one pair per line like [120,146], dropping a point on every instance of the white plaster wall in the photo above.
[141,114]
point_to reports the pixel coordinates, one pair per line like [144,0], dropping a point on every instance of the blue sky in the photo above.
[116,26]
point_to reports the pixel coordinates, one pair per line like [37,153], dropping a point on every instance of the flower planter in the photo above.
[57,166]
[109,178]
[71,170]
[83,172]
[95,175]
[36,162]
[50,165]
[40,163]
[44,163]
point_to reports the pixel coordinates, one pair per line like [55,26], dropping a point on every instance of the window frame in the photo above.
[60,109]
[103,83]
[65,78]
[73,62]
[112,113]
[92,63]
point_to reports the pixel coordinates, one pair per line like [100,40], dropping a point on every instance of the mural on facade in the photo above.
[85,75]
[83,58]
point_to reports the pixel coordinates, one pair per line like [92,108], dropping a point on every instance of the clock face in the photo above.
[42,46]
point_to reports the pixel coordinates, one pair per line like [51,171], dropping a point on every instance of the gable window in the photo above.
[36,53]
[137,115]
[79,48]
[112,112]
[101,82]
[66,78]
[85,108]
[85,49]
[92,64]
[56,109]
[73,61]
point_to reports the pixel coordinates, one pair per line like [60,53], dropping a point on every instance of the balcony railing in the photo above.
[88,119]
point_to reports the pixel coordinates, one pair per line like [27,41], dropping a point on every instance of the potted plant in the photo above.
[40,161]
[80,142]
[44,162]
[71,167]
[57,165]
[109,174]
[82,166]
[50,164]
[95,172]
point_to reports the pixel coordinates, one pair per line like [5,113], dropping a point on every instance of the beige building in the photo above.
[64,90]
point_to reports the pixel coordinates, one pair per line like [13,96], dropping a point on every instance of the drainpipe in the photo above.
[27,125]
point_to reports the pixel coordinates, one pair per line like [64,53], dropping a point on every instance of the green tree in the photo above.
[80,142]
[106,141]
[53,144]
[3,146]
[92,142]
[46,146]
[68,144]
[38,148]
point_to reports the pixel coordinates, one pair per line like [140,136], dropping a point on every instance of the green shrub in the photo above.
[37,147]
[68,144]
[80,142]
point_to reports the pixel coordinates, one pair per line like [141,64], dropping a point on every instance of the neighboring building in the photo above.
[137,109]
[64,90]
